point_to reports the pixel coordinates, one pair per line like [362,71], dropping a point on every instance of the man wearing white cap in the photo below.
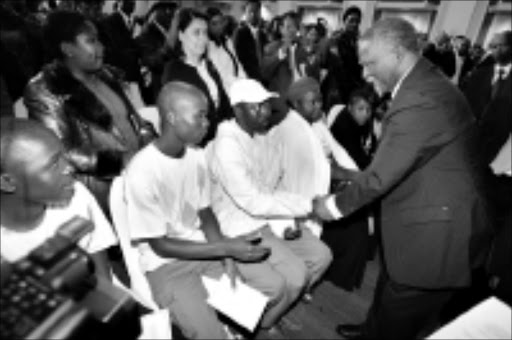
[246,169]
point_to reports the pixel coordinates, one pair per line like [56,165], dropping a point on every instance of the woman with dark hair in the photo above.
[193,67]
[221,51]
[84,102]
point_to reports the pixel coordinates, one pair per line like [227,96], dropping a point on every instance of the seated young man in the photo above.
[169,217]
[38,194]
[246,168]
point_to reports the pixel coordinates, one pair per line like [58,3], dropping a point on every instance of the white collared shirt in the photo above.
[506,71]
[127,20]
[246,172]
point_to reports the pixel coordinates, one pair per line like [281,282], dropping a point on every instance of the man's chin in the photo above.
[64,200]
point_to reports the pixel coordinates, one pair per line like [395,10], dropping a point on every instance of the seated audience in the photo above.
[221,51]
[245,165]
[168,204]
[39,194]
[83,101]
[194,68]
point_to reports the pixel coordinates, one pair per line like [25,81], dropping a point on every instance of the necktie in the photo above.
[498,83]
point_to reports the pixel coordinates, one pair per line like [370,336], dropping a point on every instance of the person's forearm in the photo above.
[188,250]
[210,226]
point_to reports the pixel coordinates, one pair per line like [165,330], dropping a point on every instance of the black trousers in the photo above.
[403,312]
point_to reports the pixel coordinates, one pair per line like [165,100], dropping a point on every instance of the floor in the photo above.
[330,306]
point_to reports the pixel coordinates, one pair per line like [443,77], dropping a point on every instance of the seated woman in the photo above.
[221,50]
[194,68]
[84,102]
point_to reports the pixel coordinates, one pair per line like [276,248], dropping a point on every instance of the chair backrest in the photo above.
[139,284]
[150,113]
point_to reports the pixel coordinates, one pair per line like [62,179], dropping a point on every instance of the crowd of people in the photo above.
[282,154]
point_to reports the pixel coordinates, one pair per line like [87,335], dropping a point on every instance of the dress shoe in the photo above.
[350,331]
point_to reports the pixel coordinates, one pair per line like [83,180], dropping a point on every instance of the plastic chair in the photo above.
[150,113]
[156,325]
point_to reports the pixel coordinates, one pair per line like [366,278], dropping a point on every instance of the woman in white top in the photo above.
[221,50]
[193,67]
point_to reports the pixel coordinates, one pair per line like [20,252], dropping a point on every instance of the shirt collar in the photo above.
[506,70]
[401,80]
[126,18]
[160,28]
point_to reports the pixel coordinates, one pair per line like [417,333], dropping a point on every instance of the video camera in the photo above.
[53,293]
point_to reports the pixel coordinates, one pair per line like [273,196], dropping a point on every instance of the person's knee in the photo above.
[296,277]
[323,257]
[275,287]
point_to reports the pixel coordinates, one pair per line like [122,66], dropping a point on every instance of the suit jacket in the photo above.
[493,113]
[120,48]
[154,53]
[246,50]
[277,73]
[433,212]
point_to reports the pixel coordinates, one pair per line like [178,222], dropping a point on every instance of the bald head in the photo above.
[183,109]
[174,94]
[17,140]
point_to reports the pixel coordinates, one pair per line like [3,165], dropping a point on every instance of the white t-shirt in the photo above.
[163,197]
[307,171]
[245,173]
[16,245]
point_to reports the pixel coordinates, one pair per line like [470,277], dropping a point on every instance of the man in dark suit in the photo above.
[250,40]
[116,32]
[489,91]
[155,44]
[433,226]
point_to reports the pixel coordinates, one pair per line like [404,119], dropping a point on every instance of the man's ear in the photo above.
[7,183]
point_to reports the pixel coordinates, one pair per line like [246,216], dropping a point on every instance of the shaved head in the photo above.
[183,110]
[34,168]
[17,137]
[173,94]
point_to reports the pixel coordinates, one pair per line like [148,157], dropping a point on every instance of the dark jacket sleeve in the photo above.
[411,137]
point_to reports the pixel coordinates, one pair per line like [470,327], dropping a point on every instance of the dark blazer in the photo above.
[120,48]
[154,54]
[493,113]
[245,47]
[277,73]
[178,70]
[433,212]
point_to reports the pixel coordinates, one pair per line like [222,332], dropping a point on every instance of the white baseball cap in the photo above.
[249,91]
